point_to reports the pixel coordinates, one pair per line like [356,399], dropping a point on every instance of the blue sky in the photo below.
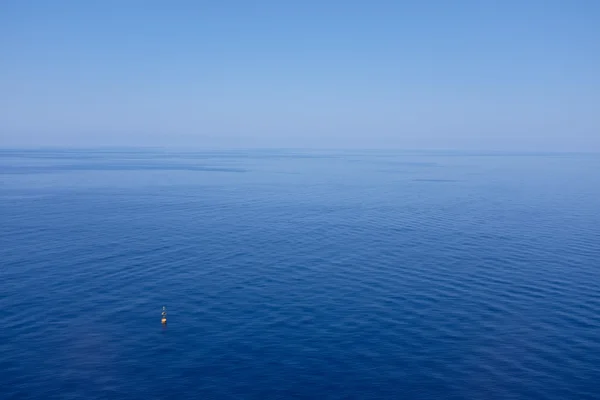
[493,75]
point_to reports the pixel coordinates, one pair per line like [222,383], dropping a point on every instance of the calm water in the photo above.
[299,275]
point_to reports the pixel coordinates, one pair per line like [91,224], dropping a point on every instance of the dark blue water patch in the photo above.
[435,180]
[29,169]
[336,282]
[158,154]
[399,162]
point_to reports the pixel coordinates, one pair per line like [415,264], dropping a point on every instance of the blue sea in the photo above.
[291,274]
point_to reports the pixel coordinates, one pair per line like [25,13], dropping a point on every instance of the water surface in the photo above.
[299,275]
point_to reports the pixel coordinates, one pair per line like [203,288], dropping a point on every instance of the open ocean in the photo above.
[299,275]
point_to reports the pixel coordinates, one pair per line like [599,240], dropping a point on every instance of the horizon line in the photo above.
[184,149]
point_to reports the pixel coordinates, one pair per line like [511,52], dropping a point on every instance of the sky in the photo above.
[461,74]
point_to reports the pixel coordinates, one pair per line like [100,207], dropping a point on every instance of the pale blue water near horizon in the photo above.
[299,275]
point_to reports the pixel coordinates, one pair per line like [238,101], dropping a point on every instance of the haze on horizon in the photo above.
[510,75]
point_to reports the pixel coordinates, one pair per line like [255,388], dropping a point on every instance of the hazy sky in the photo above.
[504,74]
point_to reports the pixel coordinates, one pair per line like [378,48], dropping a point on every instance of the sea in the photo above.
[299,274]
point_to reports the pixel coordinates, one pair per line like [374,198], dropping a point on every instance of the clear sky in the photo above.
[462,74]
